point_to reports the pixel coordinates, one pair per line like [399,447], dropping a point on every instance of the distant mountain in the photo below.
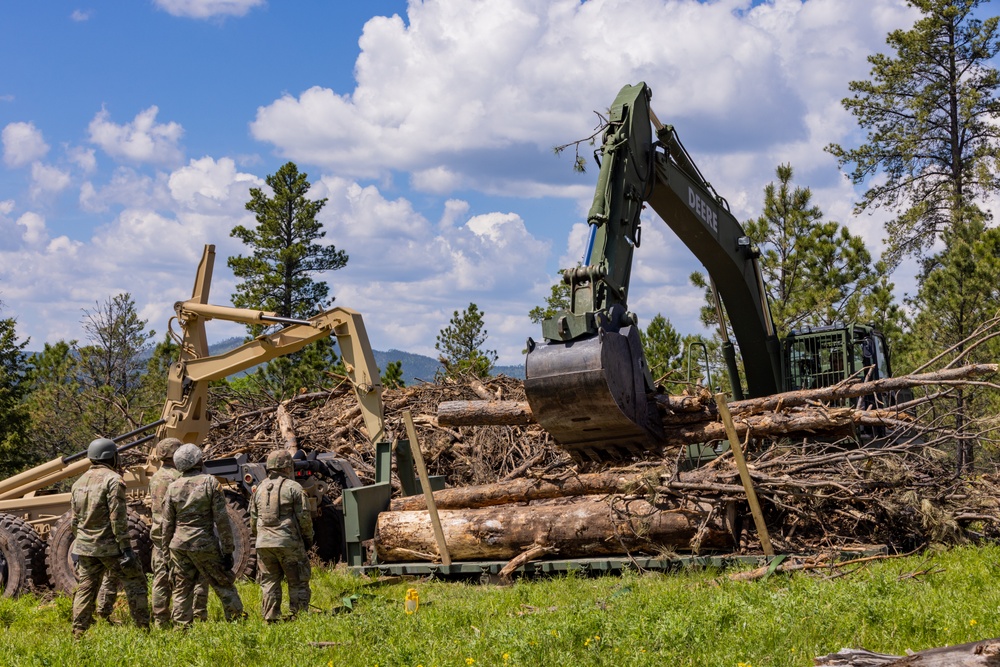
[416,367]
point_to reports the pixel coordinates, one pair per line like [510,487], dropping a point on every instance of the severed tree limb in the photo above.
[534,552]
[984,653]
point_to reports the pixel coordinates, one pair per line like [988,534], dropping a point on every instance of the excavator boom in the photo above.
[588,384]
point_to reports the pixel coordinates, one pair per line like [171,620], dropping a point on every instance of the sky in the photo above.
[131,133]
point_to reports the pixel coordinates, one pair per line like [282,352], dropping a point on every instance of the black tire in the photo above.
[328,529]
[245,553]
[59,552]
[21,568]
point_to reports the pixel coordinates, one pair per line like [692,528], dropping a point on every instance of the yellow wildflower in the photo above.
[972,622]
[469,661]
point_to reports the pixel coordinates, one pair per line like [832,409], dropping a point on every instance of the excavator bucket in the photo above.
[590,395]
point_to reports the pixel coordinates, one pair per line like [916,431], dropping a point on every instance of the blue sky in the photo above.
[132,131]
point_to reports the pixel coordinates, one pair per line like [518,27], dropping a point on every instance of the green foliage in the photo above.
[815,272]
[392,378]
[14,416]
[556,302]
[111,368]
[661,345]
[278,275]
[930,113]
[460,345]
[54,401]
[959,293]
[559,620]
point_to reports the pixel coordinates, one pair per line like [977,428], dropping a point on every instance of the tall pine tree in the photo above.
[278,275]
[931,116]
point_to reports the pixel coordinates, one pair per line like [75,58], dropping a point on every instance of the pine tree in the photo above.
[661,345]
[460,345]
[14,417]
[959,291]
[112,366]
[930,113]
[279,274]
[55,402]
[815,271]
[392,378]
[556,302]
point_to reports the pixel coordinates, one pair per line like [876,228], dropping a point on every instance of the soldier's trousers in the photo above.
[162,587]
[290,564]
[187,568]
[90,571]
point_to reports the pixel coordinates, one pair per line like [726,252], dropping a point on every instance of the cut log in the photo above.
[484,413]
[984,653]
[520,490]
[287,429]
[578,529]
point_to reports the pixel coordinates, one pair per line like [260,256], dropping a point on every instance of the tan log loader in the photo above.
[35,535]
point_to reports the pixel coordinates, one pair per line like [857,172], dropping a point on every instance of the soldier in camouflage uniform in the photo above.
[161,588]
[194,512]
[279,518]
[101,542]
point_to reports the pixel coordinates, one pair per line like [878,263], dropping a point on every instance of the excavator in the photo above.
[588,382]
[35,535]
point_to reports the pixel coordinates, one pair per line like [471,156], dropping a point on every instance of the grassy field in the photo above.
[688,618]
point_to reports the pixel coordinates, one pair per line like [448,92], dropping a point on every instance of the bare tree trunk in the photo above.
[577,529]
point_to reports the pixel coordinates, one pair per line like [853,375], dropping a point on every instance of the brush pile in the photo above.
[821,488]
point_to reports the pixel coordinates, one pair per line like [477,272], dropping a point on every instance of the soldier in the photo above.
[279,518]
[101,542]
[194,512]
[160,592]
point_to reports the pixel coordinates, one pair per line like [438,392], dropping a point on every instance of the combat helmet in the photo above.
[165,448]
[187,457]
[279,461]
[103,450]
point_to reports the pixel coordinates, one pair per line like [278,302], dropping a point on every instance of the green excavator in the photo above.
[588,383]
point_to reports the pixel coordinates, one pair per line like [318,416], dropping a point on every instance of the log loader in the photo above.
[588,383]
[35,536]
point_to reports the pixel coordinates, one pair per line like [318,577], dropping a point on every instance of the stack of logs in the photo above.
[516,494]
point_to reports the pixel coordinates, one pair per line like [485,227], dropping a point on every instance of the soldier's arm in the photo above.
[221,517]
[301,510]
[253,514]
[168,522]
[118,512]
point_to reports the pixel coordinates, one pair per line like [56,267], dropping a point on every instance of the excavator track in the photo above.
[590,395]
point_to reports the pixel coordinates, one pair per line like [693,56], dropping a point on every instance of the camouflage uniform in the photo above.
[194,510]
[279,518]
[100,531]
[161,588]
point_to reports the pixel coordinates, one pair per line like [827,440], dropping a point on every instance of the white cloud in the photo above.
[204,9]
[211,185]
[46,179]
[22,144]
[34,228]
[83,158]
[80,15]
[142,140]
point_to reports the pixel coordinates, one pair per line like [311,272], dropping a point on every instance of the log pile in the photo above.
[515,492]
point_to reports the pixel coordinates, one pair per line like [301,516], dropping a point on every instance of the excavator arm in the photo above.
[588,384]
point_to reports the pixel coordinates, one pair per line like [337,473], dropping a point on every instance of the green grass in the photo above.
[688,618]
